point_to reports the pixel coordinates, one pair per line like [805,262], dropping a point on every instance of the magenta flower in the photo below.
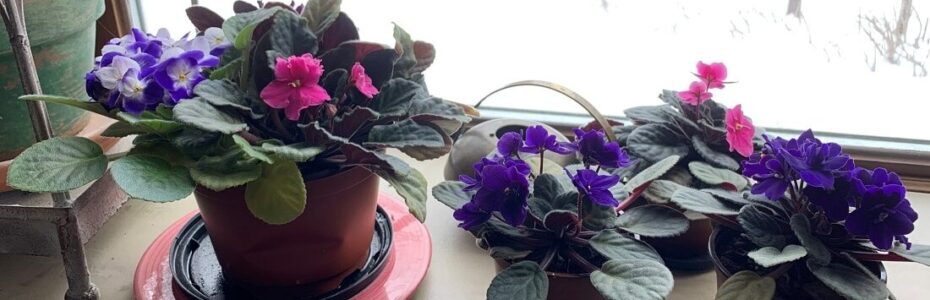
[295,86]
[739,131]
[696,94]
[713,74]
[362,81]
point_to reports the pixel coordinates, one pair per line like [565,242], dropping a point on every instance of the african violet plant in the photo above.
[709,137]
[812,220]
[568,221]
[262,99]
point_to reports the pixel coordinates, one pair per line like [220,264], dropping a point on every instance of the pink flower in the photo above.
[696,94]
[362,81]
[739,131]
[295,86]
[713,74]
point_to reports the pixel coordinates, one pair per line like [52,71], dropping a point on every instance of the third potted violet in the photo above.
[815,225]
[276,119]
[566,234]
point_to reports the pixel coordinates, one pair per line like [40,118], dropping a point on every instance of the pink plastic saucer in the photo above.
[406,266]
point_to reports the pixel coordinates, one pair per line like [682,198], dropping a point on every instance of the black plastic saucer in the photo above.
[197,272]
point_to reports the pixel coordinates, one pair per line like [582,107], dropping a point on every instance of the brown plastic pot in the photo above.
[723,273]
[565,286]
[321,247]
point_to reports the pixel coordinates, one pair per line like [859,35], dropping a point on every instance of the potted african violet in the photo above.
[277,120]
[710,141]
[815,226]
[566,234]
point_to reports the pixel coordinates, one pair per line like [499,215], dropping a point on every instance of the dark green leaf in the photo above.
[653,221]
[539,207]
[849,282]
[203,17]
[771,256]
[651,173]
[122,129]
[549,186]
[451,194]
[408,57]
[524,280]
[297,152]
[560,220]
[507,253]
[746,285]
[243,25]
[918,253]
[396,97]
[670,97]
[439,107]
[219,181]
[349,123]
[250,150]
[405,134]
[222,93]
[152,179]
[728,196]
[597,217]
[714,176]
[320,14]
[408,182]
[762,227]
[817,251]
[227,70]
[701,202]
[651,114]
[93,107]
[279,195]
[340,31]
[57,164]
[633,279]
[198,113]
[656,141]
[614,245]
[712,156]
[291,36]
[661,191]
[150,124]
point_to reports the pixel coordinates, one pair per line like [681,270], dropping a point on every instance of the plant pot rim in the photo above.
[322,186]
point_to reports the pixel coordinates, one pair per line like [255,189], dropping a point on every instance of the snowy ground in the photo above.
[620,53]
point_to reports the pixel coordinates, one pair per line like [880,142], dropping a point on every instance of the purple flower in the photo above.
[863,178]
[475,183]
[596,150]
[501,186]
[836,202]
[783,161]
[470,216]
[883,215]
[817,163]
[771,175]
[539,140]
[595,187]
[509,144]
[180,74]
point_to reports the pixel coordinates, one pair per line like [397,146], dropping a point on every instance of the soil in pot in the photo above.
[321,247]
[796,284]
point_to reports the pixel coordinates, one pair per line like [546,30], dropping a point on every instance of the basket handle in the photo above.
[605,125]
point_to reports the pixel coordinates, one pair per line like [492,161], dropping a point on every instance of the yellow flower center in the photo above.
[294,84]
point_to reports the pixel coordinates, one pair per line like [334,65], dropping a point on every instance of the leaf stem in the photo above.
[633,196]
[542,160]
[577,259]
[861,267]
[248,136]
[781,270]
[550,256]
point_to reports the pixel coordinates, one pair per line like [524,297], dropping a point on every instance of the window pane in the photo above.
[819,70]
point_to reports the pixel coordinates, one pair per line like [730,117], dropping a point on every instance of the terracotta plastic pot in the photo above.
[565,286]
[325,244]
[721,232]
[688,251]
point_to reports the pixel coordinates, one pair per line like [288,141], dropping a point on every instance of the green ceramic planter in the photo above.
[62,35]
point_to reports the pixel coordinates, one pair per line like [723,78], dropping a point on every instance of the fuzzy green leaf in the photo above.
[661,191]
[817,251]
[701,202]
[507,253]
[407,59]
[451,194]
[222,93]
[651,114]
[122,129]
[219,181]
[198,113]
[763,227]
[57,164]
[715,158]
[250,150]
[396,96]
[656,141]
[918,253]
[714,176]
[320,14]
[297,152]
[614,245]
[651,173]
[728,196]
[633,279]
[412,187]
[549,186]
[279,195]
[653,221]
[849,282]
[152,179]
[290,34]
[524,280]
[746,285]
[239,28]
[93,107]
[433,106]
[771,256]
[150,123]
[408,182]
[405,134]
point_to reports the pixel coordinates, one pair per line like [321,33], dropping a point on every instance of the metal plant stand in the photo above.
[30,223]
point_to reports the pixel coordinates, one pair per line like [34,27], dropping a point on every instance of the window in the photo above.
[855,68]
